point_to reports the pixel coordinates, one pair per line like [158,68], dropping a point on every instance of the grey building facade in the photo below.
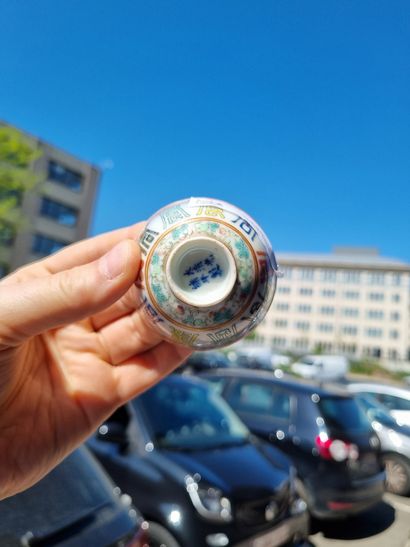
[57,212]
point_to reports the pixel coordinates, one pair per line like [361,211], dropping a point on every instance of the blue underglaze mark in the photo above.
[204,271]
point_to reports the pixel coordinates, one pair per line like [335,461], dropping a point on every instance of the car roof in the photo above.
[391,389]
[291,383]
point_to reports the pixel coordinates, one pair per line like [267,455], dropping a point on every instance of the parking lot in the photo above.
[387,524]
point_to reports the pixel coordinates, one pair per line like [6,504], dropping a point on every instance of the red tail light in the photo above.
[336,449]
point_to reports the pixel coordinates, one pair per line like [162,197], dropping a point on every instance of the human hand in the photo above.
[73,347]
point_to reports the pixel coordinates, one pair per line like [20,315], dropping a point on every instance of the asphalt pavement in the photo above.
[385,525]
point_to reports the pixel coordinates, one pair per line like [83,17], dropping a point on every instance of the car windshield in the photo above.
[344,414]
[188,416]
[375,410]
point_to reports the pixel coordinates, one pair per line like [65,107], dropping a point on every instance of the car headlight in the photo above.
[209,501]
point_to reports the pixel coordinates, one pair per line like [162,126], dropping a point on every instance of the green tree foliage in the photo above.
[17,154]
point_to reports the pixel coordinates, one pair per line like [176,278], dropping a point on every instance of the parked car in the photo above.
[395,398]
[324,431]
[256,356]
[321,367]
[200,361]
[74,505]
[394,442]
[195,472]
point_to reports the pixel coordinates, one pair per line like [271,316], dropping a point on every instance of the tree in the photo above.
[17,155]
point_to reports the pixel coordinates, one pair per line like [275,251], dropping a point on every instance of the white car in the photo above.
[395,398]
[321,367]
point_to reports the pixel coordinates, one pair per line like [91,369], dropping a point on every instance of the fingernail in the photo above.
[113,263]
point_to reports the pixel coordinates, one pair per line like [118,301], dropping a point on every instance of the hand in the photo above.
[73,347]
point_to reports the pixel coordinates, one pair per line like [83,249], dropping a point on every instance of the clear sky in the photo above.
[296,111]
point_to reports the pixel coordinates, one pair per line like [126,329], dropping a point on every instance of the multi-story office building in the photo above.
[352,301]
[57,212]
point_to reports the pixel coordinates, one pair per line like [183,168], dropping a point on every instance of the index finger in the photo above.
[90,249]
[76,254]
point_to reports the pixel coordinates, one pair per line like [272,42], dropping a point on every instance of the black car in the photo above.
[324,431]
[195,472]
[74,505]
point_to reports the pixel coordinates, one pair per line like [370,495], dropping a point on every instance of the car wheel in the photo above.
[397,474]
[158,536]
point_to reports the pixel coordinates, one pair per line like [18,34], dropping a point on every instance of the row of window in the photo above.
[349,295]
[329,347]
[349,330]
[346,312]
[344,276]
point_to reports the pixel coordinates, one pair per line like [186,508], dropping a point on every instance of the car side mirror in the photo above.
[113,432]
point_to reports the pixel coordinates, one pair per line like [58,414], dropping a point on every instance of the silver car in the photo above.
[394,444]
[395,398]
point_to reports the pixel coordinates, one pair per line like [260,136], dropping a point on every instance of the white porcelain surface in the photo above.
[208,275]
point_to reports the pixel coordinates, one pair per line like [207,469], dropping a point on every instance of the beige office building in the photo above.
[352,301]
[58,212]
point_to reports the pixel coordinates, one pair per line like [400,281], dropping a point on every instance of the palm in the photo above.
[57,386]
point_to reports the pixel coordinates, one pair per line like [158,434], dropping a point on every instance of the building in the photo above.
[352,301]
[56,213]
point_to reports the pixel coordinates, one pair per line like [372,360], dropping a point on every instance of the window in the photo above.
[282,306]
[7,234]
[375,314]
[394,334]
[328,293]
[396,279]
[376,278]
[327,310]
[350,330]
[306,273]
[281,323]
[58,211]
[260,399]
[395,298]
[66,177]
[302,325]
[287,272]
[279,342]
[374,333]
[351,277]
[284,290]
[376,296]
[43,245]
[351,295]
[343,414]
[305,291]
[325,327]
[350,312]
[329,275]
[304,308]
[395,316]
[392,402]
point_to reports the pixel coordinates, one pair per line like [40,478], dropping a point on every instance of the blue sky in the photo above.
[296,111]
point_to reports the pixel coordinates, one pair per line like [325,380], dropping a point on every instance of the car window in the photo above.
[343,414]
[261,399]
[394,403]
[217,384]
[188,416]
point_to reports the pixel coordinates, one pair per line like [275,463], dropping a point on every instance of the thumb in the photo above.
[31,307]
